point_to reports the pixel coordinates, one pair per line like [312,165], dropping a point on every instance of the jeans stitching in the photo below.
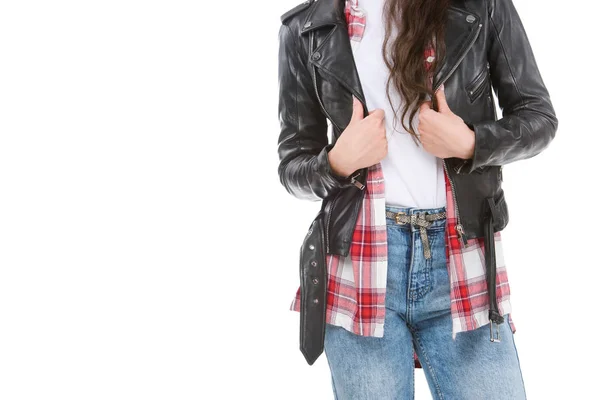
[409,281]
[427,271]
[519,364]
[413,391]
[335,396]
[429,366]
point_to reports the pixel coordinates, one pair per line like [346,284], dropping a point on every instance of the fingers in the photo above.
[425,106]
[357,110]
[440,96]
[377,119]
[377,113]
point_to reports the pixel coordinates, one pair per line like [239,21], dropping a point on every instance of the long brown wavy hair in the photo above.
[419,25]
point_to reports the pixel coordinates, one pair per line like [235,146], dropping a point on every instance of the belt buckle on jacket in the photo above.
[497,337]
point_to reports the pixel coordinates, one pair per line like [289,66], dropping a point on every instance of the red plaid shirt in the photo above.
[357,283]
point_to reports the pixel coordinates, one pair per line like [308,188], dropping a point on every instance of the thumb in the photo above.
[357,110]
[440,96]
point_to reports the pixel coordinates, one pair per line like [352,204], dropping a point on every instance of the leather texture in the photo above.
[488,53]
[313,291]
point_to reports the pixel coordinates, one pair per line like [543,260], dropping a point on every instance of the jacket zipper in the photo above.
[356,182]
[459,227]
[479,84]
[458,168]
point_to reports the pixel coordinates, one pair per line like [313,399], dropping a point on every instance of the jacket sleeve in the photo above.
[528,122]
[303,146]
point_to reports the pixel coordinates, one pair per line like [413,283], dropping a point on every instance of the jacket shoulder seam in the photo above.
[295,10]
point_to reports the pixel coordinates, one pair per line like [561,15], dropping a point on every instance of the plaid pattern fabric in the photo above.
[356,20]
[466,269]
[357,283]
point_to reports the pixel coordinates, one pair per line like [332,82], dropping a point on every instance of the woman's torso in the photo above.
[413,177]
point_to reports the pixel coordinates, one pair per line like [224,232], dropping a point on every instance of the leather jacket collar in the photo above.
[462,28]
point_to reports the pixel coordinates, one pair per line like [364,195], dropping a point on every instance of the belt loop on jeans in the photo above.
[422,220]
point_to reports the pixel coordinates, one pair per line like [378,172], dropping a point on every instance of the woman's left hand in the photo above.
[443,133]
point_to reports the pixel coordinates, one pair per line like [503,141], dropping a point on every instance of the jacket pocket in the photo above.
[501,212]
[477,86]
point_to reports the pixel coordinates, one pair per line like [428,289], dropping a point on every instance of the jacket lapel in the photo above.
[332,51]
[462,29]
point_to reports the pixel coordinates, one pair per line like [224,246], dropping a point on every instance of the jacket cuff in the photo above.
[476,161]
[325,170]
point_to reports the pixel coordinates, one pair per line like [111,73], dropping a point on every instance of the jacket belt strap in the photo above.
[490,264]
[313,278]
[313,291]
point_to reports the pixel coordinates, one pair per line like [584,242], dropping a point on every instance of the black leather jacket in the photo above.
[487,49]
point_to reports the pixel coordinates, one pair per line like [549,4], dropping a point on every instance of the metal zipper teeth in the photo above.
[459,227]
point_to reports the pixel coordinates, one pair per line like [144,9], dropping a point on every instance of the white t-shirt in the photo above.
[413,177]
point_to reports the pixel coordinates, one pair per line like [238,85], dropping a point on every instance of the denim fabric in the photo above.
[418,316]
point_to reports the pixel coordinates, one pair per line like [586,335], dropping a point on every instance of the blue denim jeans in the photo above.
[418,317]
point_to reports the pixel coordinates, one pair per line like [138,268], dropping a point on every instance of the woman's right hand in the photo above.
[363,143]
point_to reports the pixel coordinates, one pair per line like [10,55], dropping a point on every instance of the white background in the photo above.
[147,248]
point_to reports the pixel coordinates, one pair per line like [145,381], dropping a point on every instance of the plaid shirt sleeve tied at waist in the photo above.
[356,284]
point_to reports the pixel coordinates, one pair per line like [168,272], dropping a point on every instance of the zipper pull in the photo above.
[461,234]
[357,183]
[457,168]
